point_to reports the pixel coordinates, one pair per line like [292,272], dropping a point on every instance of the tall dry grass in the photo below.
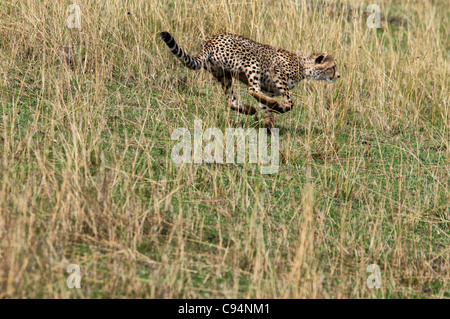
[86,176]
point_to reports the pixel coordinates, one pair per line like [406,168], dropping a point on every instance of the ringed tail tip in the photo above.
[164,35]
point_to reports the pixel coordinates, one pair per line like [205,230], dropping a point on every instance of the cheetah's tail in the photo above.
[195,63]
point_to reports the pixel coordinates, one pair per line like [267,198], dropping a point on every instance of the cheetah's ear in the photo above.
[319,59]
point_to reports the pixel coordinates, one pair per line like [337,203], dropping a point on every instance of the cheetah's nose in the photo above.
[333,78]
[336,76]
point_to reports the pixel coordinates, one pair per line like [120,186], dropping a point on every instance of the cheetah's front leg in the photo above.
[281,86]
[273,104]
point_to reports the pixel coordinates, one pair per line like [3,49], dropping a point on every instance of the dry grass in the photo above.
[86,176]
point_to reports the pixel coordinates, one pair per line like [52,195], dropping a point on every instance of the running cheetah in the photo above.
[268,71]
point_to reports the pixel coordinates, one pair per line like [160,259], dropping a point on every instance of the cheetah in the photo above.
[267,70]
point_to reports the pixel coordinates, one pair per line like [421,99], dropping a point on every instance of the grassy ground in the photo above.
[86,175]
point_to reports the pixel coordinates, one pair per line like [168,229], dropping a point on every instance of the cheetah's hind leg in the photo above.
[225,80]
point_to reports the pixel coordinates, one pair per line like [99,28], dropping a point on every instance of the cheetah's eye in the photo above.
[319,59]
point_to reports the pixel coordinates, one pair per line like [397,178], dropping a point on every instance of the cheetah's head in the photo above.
[322,67]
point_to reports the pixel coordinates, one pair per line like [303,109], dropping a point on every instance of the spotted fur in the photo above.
[267,70]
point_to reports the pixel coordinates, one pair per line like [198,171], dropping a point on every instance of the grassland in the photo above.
[86,175]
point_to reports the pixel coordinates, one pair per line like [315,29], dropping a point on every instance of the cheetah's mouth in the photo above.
[334,80]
